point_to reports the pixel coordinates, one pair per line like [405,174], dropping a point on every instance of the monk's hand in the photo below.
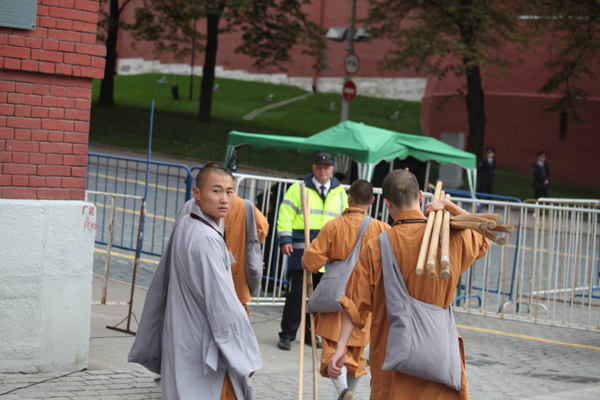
[287,249]
[251,374]
[435,206]
[334,367]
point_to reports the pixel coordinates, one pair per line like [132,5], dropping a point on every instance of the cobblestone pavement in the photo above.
[499,366]
[505,360]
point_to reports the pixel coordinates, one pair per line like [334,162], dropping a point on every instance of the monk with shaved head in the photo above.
[368,294]
[194,332]
[339,243]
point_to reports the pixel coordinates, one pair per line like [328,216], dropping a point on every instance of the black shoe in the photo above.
[308,341]
[346,395]
[284,344]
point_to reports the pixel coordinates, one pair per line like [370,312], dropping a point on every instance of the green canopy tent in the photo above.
[367,145]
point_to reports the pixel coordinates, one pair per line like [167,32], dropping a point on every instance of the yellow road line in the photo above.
[133,212]
[126,256]
[538,339]
[135,181]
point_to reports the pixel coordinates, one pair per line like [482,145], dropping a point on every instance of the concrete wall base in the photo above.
[46,260]
[410,89]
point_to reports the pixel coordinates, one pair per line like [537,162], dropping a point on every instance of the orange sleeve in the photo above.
[471,246]
[358,300]
[262,226]
[318,253]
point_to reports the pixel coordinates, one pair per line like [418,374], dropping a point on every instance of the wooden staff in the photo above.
[490,223]
[499,240]
[427,235]
[495,217]
[434,244]
[476,226]
[445,258]
[504,228]
[307,282]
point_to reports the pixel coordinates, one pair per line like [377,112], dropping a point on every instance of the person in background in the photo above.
[328,200]
[541,176]
[485,170]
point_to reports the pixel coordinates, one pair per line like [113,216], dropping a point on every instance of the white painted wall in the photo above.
[46,260]
[410,89]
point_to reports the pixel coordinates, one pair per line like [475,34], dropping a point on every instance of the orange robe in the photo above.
[365,294]
[334,243]
[235,238]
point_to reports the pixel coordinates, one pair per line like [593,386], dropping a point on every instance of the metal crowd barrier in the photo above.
[547,273]
[170,186]
[109,234]
[554,276]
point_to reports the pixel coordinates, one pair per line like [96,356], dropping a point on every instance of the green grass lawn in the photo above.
[177,130]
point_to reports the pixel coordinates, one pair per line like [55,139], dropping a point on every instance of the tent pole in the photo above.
[427,175]
[391,166]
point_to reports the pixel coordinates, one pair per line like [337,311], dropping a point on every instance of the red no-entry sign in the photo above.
[349,91]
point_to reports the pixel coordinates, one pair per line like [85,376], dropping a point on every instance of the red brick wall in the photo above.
[517,128]
[45,99]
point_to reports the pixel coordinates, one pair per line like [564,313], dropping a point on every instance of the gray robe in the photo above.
[206,331]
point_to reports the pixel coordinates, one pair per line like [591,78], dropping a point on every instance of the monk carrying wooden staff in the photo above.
[431,364]
[339,243]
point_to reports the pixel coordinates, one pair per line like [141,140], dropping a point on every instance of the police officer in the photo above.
[328,200]
[541,176]
[486,169]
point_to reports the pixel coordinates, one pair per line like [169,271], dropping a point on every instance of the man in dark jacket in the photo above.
[486,169]
[541,176]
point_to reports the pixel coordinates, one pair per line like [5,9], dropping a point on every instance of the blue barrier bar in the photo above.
[161,206]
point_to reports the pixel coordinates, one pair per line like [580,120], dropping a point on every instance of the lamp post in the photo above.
[349,49]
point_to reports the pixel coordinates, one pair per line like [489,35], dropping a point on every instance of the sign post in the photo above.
[349,52]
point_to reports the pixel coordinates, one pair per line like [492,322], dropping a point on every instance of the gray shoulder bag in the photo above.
[254,261]
[332,286]
[422,340]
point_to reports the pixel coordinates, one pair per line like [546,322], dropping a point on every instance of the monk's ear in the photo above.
[372,200]
[420,196]
[196,193]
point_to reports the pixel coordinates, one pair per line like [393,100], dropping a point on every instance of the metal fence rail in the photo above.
[547,273]
[169,187]
[110,229]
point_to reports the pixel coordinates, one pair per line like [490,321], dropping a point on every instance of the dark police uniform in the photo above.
[486,175]
[540,174]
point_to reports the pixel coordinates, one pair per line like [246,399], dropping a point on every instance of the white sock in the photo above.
[353,384]
[340,383]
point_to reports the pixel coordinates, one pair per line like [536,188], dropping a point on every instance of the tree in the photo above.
[111,24]
[451,36]
[270,29]
[570,31]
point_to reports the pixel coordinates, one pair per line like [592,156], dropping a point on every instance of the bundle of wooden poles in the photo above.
[439,224]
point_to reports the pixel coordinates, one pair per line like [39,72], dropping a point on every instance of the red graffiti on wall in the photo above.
[88,224]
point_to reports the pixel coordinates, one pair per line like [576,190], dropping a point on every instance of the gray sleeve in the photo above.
[227,318]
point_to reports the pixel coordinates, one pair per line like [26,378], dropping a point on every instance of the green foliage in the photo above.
[446,36]
[271,27]
[570,30]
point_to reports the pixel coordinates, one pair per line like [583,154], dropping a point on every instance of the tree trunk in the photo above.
[208,70]
[476,113]
[107,88]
